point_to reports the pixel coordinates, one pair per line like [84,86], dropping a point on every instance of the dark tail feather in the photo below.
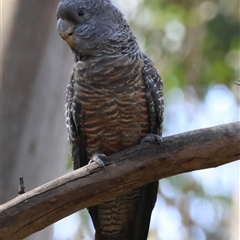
[146,204]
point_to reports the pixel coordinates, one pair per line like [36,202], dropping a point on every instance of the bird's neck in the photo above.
[110,70]
[111,48]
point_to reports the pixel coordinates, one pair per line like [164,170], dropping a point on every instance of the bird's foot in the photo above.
[153,138]
[99,158]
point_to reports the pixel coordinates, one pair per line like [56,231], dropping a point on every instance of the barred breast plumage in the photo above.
[113,104]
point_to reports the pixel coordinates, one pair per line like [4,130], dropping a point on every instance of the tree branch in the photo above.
[131,168]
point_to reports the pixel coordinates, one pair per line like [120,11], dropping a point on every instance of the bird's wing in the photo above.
[154,93]
[74,122]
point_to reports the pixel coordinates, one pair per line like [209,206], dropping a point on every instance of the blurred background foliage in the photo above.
[192,43]
[195,46]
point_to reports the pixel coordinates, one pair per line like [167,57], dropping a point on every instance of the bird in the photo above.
[114,100]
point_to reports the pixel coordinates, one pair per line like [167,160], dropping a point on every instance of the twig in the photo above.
[21,188]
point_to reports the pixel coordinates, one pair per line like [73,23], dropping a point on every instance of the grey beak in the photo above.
[64,27]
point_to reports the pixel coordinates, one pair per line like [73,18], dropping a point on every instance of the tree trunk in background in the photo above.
[36,67]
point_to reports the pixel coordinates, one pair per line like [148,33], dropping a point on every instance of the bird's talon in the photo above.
[153,138]
[99,159]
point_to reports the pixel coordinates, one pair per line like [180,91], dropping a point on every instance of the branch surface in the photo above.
[126,170]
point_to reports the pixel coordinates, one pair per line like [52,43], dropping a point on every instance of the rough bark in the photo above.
[134,167]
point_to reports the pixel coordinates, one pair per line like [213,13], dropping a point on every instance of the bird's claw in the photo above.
[153,138]
[98,158]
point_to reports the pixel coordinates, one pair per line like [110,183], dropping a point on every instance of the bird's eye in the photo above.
[81,13]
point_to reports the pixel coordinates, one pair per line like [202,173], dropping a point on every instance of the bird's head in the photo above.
[91,27]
